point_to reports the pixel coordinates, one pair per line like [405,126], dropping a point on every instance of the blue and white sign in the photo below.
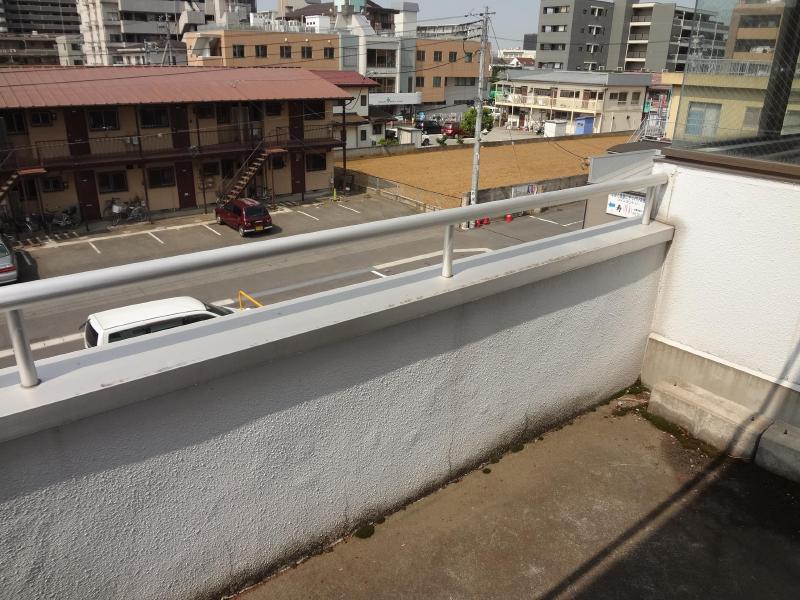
[625,205]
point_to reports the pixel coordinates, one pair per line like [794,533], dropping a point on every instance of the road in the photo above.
[54,327]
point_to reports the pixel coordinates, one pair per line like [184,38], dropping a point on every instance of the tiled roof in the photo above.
[346,78]
[47,87]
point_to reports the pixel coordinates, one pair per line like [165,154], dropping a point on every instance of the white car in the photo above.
[135,320]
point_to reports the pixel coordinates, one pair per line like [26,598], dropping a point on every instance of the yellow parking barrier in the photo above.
[242,295]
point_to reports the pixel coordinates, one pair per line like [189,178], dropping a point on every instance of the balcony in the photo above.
[546,102]
[193,462]
[315,134]
[100,151]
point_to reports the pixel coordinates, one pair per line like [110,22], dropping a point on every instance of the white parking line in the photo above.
[573,223]
[96,249]
[46,344]
[545,220]
[308,215]
[405,261]
[155,237]
[378,273]
[352,209]
[215,232]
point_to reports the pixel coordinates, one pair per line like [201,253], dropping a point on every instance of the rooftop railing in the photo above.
[13,299]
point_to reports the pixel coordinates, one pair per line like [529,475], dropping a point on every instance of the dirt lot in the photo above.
[449,172]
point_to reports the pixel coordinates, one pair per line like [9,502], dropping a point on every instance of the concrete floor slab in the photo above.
[607,507]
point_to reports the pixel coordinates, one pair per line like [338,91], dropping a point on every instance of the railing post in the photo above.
[649,202]
[22,349]
[447,254]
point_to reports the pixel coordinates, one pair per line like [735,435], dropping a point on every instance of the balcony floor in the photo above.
[607,507]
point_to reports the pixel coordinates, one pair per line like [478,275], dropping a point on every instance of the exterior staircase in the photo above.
[238,183]
[8,184]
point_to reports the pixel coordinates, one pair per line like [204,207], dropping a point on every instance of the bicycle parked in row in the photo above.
[130,211]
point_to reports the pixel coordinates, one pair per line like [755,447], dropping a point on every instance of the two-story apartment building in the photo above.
[607,101]
[353,114]
[173,137]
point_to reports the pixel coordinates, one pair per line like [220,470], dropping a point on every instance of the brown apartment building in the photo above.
[173,137]
[754,30]
[447,71]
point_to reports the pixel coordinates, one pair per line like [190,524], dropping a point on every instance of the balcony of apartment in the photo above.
[315,134]
[111,150]
[635,55]
[757,33]
[141,27]
[641,19]
[639,38]
[195,461]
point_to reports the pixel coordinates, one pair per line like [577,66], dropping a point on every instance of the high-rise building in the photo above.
[660,37]
[574,34]
[55,17]
[120,32]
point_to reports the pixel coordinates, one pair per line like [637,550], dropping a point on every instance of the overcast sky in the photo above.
[513,19]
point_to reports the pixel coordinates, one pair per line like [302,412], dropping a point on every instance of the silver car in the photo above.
[8,261]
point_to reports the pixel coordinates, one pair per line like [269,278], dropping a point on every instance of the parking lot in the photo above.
[54,327]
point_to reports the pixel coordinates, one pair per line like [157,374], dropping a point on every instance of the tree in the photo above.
[468,122]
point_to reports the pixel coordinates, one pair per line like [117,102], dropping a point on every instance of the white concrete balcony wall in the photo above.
[728,316]
[192,461]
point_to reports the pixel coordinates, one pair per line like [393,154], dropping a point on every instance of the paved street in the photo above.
[54,327]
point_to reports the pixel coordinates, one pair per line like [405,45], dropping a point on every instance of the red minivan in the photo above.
[245,215]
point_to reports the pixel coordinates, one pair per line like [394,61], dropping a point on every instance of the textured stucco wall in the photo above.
[178,496]
[731,283]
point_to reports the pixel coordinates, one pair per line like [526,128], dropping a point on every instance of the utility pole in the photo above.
[476,157]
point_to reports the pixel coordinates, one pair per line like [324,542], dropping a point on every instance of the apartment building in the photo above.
[574,35]
[658,37]
[754,29]
[130,32]
[173,137]
[54,17]
[447,71]
[601,102]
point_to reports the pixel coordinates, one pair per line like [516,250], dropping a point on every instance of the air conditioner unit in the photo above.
[132,140]
[619,69]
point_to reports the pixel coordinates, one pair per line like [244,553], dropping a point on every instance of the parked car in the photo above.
[245,215]
[429,126]
[452,129]
[8,261]
[136,320]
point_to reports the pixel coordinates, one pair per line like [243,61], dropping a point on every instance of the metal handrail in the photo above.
[14,298]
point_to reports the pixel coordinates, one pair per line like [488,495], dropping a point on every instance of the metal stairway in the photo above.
[238,183]
[8,184]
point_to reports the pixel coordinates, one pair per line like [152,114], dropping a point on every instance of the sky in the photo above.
[513,19]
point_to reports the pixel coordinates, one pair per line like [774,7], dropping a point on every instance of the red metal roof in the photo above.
[346,78]
[94,86]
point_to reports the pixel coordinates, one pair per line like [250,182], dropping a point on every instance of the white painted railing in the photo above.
[13,299]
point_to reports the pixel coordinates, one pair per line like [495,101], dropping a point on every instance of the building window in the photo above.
[261,51]
[76,47]
[286,52]
[15,122]
[117,60]
[752,116]
[453,56]
[53,184]
[154,117]
[329,54]
[702,118]
[363,134]
[211,169]
[437,82]
[307,52]
[622,98]
[103,120]
[635,97]
[41,118]
[554,10]
[437,56]
[363,100]
[377,129]
[381,59]
[420,82]
[316,162]
[568,93]
[204,110]
[161,177]
[386,85]
[613,95]
[238,51]
[420,55]
[553,28]
[273,109]
[468,57]
[110,182]
[314,110]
